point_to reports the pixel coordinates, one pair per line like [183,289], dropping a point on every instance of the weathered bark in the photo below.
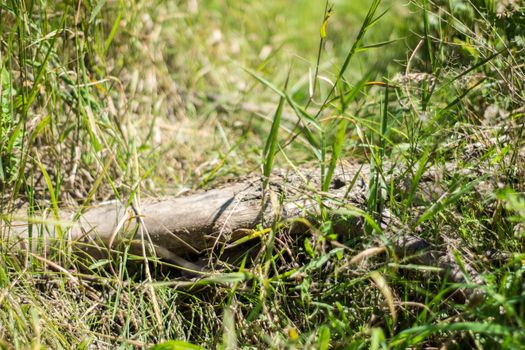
[196,222]
[177,226]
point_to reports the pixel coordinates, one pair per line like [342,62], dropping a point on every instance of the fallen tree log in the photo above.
[190,223]
[174,227]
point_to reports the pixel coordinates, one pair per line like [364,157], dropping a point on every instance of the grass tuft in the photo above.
[104,100]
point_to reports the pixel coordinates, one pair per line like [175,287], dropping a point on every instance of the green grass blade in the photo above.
[271,142]
[270,147]
[113,31]
[175,345]
[96,10]
[426,30]
[447,200]
[472,68]
[53,196]
[337,149]
[359,39]
[422,166]
[35,88]
[301,112]
[420,333]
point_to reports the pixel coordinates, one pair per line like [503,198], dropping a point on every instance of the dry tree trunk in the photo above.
[174,227]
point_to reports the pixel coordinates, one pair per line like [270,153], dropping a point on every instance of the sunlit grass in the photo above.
[125,100]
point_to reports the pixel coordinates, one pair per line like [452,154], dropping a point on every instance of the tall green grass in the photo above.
[128,99]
